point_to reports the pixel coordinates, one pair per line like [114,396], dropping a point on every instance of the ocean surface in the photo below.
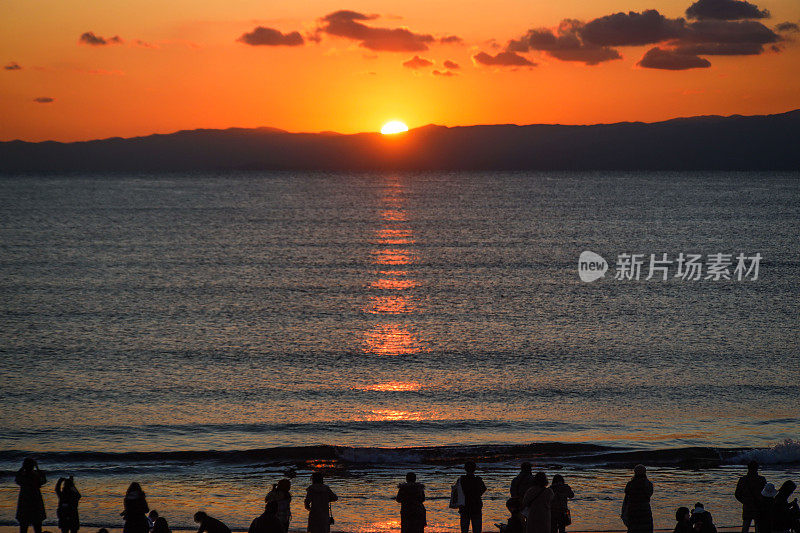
[202,334]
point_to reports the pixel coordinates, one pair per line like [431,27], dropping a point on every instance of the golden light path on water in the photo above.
[390,294]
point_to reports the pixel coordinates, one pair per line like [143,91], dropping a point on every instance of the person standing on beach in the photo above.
[636,513]
[136,508]
[318,502]
[560,515]
[538,501]
[522,482]
[411,496]
[68,497]
[473,488]
[748,492]
[30,505]
[784,514]
[283,502]
[209,524]
[768,494]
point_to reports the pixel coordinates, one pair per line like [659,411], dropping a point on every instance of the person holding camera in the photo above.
[68,497]
[30,505]
[318,502]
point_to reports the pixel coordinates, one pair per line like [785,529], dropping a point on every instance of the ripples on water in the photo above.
[258,310]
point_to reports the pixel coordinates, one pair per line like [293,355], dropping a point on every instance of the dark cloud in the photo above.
[788,27]
[451,39]
[503,59]
[446,73]
[631,29]
[727,32]
[417,62]
[565,43]
[451,64]
[350,25]
[725,10]
[95,40]
[44,100]
[12,66]
[262,36]
[660,58]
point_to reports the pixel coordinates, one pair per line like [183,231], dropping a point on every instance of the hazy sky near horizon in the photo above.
[92,69]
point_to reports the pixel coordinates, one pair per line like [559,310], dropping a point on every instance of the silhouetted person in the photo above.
[209,524]
[748,492]
[68,497]
[516,522]
[522,482]
[30,505]
[268,522]
[768,494]
[636,512]
[784,514]
[152,516]
[160,525]
[411,496]
[472,487]
[538,502]
[560,515]
[683,518]
[318,502]
[283,502]
[701,520]
[136,509]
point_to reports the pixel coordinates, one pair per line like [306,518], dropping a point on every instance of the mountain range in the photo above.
[764,142]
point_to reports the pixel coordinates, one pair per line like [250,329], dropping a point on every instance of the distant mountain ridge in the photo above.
[762,142]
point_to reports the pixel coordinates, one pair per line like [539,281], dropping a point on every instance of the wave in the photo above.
[786,452]
[343,457]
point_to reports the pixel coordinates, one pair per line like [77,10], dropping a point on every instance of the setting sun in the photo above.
[394,126]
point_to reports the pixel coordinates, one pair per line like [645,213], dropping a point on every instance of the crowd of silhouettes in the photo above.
[535,505]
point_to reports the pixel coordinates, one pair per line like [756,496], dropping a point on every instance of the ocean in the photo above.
[205,333]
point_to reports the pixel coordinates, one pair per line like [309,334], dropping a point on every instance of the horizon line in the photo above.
[410,130]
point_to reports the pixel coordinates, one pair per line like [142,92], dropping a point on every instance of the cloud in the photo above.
[788,27]
[44,100]
[350,25]
[417,62]
[724,31]
[631,29]
[451,39]
[660,58]
[503,59]
[565,43]
[725,10]
[145,44]
[95,40]
[262,36]
[12,66]
[451,65]
[446,73]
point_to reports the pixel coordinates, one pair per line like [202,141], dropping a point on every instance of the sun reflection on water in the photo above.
[391,339]
[394,240]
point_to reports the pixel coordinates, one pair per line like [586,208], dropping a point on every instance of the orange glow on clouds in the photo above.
[182,65]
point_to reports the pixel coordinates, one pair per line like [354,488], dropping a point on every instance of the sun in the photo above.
[393,126]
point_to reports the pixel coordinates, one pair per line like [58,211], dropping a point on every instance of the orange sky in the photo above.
[180,66]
